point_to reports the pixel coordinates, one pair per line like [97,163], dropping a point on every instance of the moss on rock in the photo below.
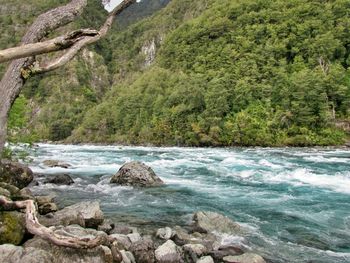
[12,227]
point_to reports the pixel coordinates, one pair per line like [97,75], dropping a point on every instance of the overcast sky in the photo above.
[113,4]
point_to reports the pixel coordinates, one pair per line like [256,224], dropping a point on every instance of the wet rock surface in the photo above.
[136,174]
[15,173]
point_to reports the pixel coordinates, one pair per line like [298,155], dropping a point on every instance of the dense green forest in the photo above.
[200,73]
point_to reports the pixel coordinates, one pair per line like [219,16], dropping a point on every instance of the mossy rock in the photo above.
[15,173]
[12,227]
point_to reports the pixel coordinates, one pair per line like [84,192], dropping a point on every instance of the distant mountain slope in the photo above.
[246,72]
[206,73]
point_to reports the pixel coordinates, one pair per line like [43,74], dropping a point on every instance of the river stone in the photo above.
[127,256]
[206,222]
[169,252]
[134,237]
[117,256]
[5,192]
[12,227]
[245,258]
[107,226]
[227,250]
[15,174]
[165,233]
[38,250]
[54,163]
[206,259]
[44,199]
[123,242]
[194,251]
[59,179]
[136,174]
[86,214]
[10,253]
[47,208]
[143,251]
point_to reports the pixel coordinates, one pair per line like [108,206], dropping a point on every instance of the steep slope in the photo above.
[227,72]
[52,104]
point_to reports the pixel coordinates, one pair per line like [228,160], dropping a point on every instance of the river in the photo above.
[294,202]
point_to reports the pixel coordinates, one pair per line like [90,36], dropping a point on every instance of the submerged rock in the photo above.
[86,214]
[60,179]
[245,258]
[136,174]
[169,252]
[12,227]
[206,222]
[54,163]
[15,174]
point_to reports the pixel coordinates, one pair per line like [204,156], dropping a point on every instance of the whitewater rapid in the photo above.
[295,202]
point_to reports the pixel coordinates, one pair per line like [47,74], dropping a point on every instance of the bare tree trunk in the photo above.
[12,82]
[21,69]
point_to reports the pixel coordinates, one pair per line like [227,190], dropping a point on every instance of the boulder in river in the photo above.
[207,222]
[16,174]
[54,163]
[136,174]
[59,179]
[86,214]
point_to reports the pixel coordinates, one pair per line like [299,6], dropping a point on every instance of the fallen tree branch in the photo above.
[36,68]
[34,227]
[56,44]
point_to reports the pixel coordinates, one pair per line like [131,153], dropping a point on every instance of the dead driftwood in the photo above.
[34,227]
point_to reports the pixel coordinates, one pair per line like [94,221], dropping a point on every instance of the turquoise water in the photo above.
[294,203]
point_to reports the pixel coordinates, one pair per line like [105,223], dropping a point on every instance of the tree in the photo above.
[25,65]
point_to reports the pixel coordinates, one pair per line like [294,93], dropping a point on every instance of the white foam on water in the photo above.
[233,160]
[265,162]
[301,176]
[325,159]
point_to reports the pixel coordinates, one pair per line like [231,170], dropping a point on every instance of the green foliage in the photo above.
[243,72]
[265,73]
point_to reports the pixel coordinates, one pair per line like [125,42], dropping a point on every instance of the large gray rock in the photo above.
[59,179]
[86,214]
[169,252]
[136,174]
[207,222]
[12,227]
[10,253]
[143,251]
[245,258]
[38,250]
[15,174]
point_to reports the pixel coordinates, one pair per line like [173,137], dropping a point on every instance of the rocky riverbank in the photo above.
[199,242]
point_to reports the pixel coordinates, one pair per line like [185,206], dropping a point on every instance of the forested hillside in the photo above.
[207,73]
